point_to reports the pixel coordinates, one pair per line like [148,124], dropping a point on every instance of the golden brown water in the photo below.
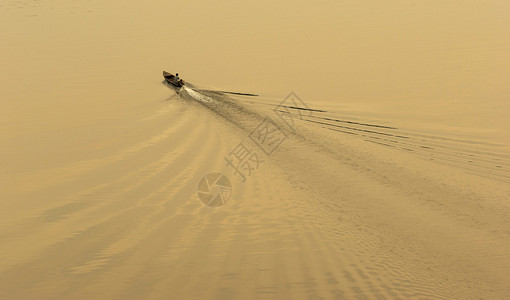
[395,186]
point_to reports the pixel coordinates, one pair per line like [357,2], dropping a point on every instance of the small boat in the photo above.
[169,78]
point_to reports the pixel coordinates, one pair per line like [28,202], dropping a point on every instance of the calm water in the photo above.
[443,62]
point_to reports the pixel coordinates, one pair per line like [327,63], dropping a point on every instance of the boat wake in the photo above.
[345,207]
[386,185]
[484,159]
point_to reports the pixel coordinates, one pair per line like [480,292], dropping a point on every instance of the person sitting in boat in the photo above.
[176,78]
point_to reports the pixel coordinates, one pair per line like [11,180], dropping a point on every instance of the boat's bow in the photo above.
[169,78]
